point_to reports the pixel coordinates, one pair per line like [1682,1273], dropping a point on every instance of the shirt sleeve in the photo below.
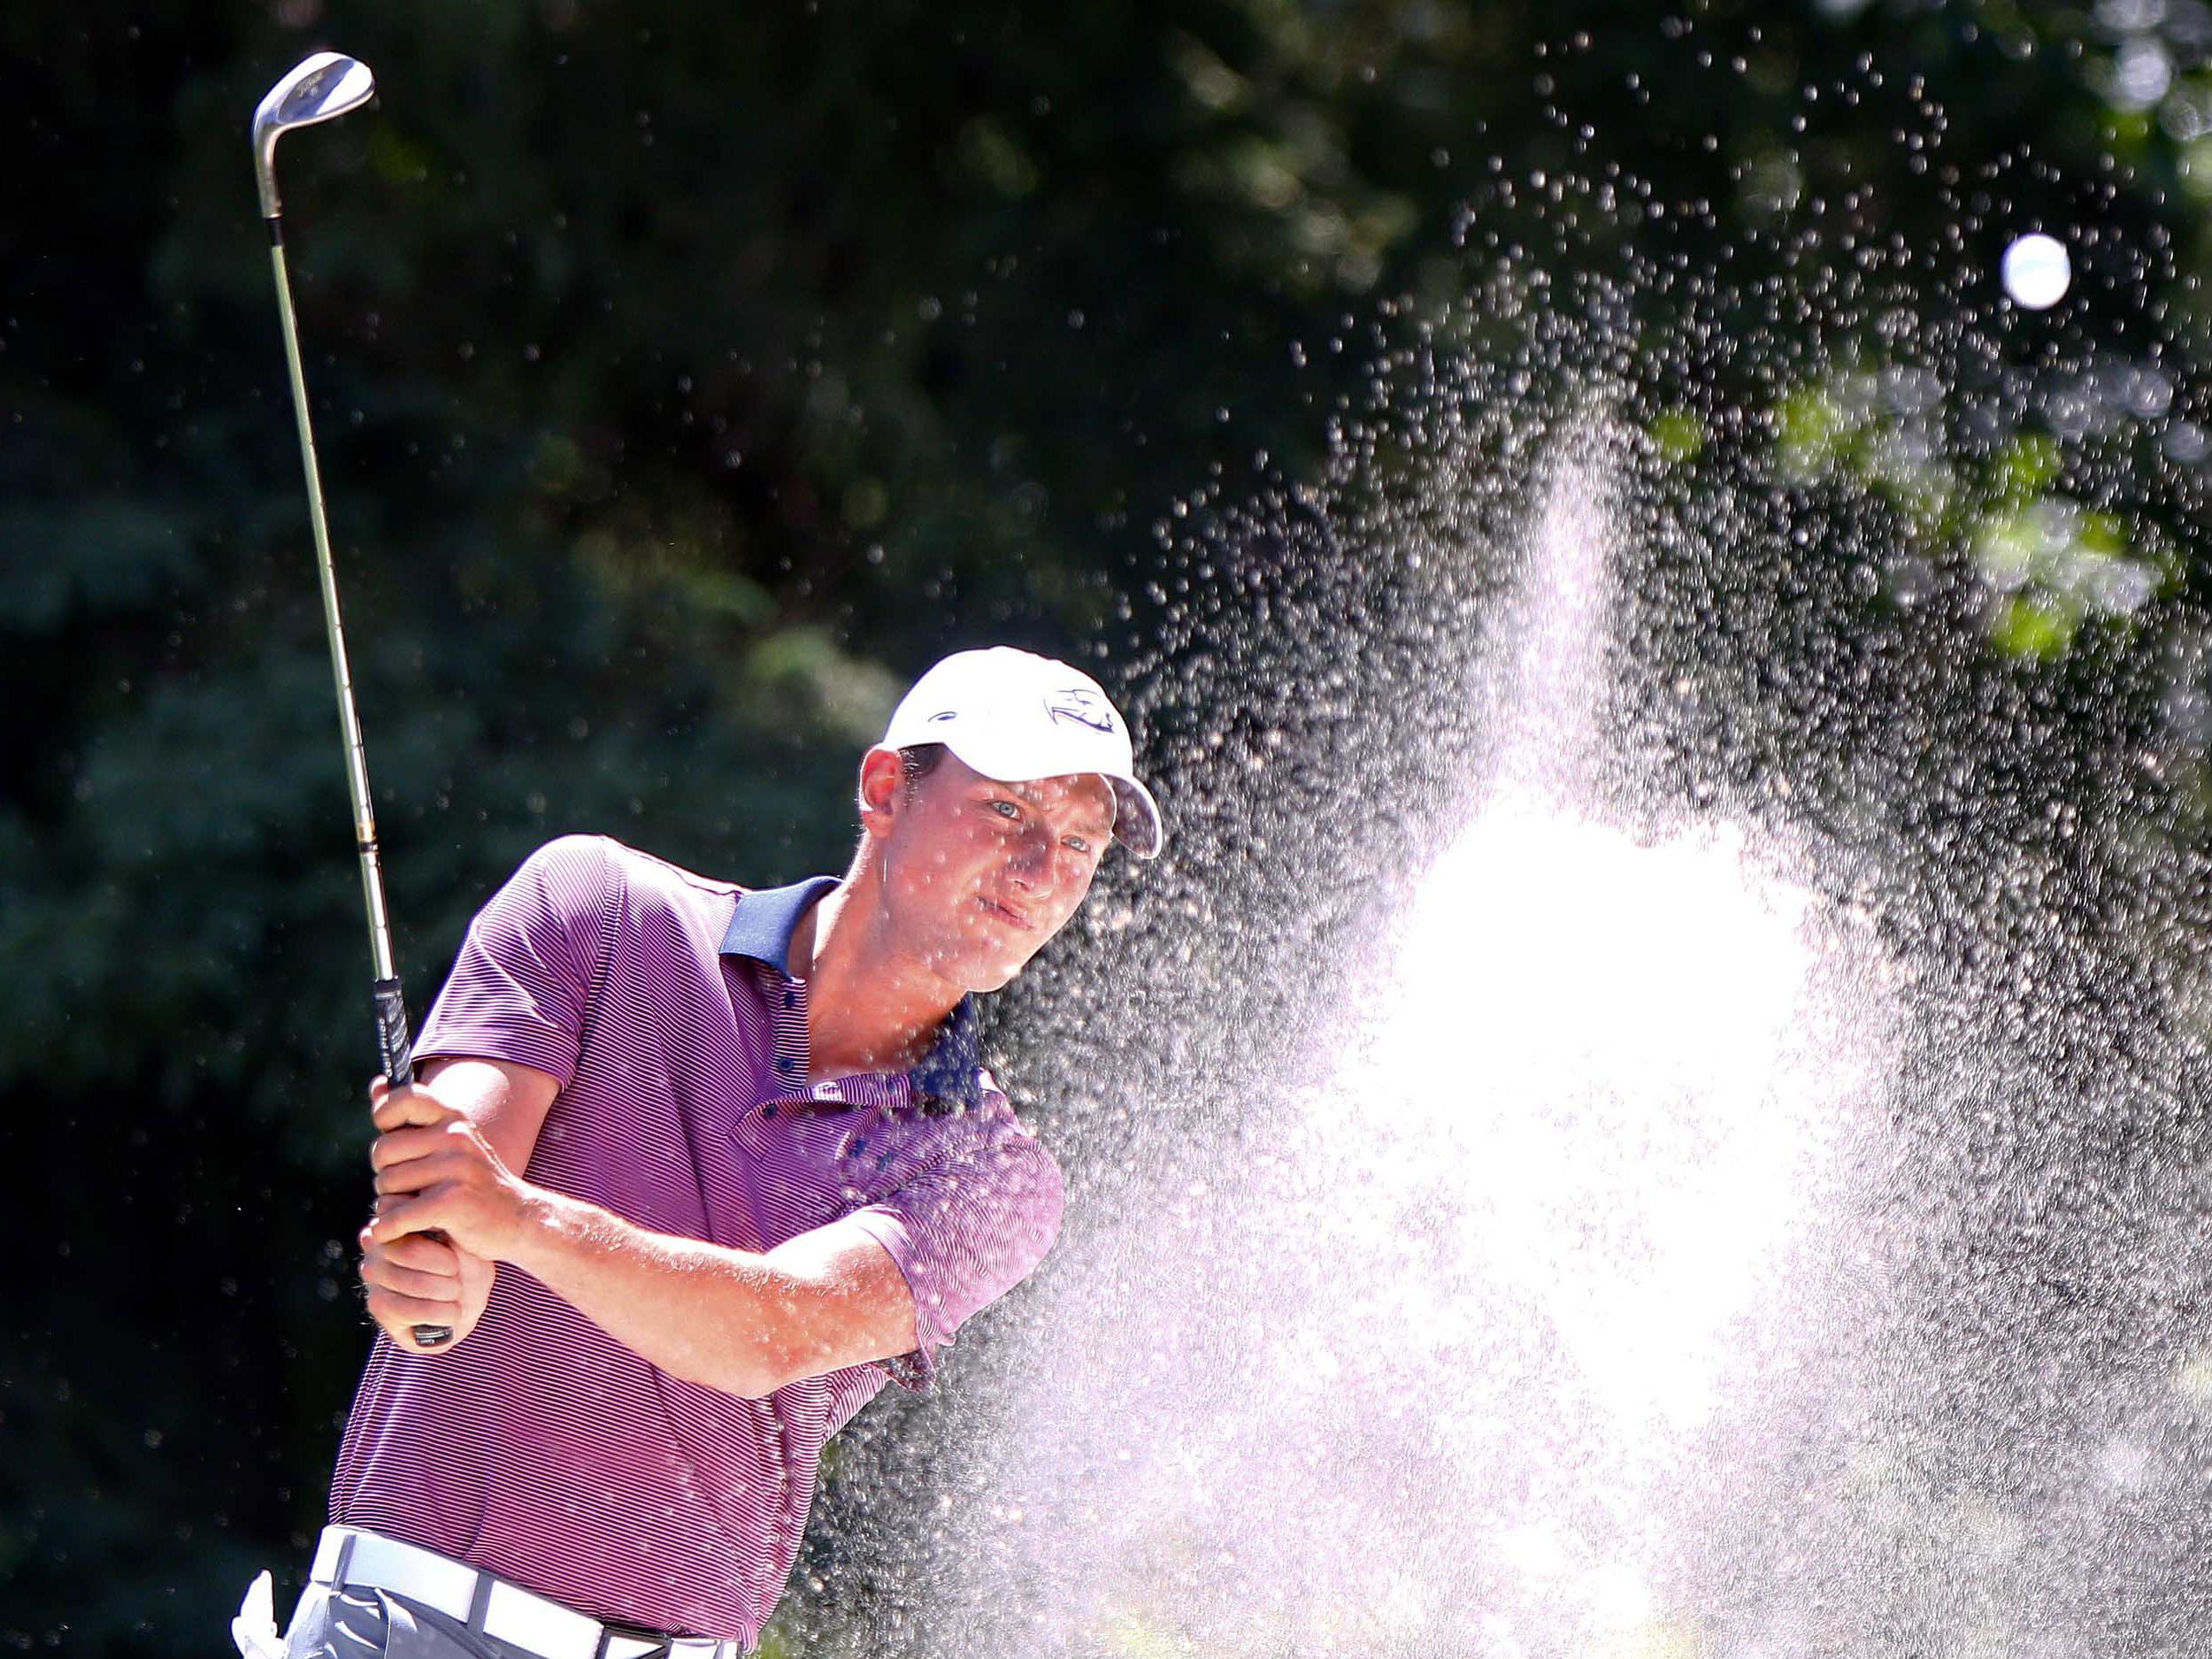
[976,1214]
[529,963]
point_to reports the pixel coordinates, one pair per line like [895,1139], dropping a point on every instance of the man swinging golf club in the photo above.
[690,1172]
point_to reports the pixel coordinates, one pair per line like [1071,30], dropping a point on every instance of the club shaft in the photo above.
[392,1033]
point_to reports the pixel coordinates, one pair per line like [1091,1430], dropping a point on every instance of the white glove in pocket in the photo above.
[254,1630]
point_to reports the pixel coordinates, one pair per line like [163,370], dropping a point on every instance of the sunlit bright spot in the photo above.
[2036,272]
[1638,1146]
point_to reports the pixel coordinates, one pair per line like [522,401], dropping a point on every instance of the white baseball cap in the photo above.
[1018,716]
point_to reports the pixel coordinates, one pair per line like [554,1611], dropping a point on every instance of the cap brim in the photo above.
[1136,817]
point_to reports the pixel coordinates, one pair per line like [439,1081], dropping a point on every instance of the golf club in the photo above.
[322,87]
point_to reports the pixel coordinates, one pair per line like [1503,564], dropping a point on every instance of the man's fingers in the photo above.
[403,1215]
[415,1174]
[421,1254]
[391,1310]
[415,1266]
[406,1282]
[398,1107]
[438,1159]
[396,1145]
[409,1106]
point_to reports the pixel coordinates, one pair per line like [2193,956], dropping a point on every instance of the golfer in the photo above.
[690,1172]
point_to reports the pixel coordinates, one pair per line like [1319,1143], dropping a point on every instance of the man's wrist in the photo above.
[541,1220]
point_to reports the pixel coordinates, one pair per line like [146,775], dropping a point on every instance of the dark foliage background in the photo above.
[684,380]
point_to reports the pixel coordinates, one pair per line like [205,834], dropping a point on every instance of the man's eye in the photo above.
[1006,810]
[1078,844]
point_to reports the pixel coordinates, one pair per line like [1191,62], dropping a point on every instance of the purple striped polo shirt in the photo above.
[541,1448]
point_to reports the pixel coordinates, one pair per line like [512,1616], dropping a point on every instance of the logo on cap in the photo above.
[1082,705]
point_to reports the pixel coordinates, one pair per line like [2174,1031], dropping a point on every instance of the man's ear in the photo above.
[882,780]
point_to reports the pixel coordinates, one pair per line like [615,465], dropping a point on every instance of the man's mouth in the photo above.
[1007,914]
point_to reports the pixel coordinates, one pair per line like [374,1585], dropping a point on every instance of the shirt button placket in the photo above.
[787,1068]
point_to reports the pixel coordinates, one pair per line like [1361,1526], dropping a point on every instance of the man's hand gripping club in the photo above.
[434,1174]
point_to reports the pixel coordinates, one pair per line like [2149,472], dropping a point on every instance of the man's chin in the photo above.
[990,970]
[994,976]
[980,967]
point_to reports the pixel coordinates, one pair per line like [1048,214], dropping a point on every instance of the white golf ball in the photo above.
[2036,272]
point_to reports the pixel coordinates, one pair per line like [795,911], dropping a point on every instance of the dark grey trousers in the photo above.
[356,1624]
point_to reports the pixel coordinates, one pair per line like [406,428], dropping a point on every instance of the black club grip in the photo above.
[392,1041]
[398,1051]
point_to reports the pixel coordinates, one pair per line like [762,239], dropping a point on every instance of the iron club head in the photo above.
[319,89]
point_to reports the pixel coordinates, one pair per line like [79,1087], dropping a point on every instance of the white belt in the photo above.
[491,1605]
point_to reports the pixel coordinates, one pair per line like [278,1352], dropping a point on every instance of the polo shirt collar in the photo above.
[761,927]
[763,922]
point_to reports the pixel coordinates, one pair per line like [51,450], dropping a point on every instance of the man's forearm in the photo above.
[708,1315]
[742,1322]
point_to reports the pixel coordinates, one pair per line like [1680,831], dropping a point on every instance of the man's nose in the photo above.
[1032,859]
